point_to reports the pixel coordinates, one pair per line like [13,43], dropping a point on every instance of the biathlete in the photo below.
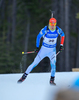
[50,34]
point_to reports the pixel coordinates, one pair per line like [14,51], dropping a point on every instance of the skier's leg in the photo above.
[29,69]
[53,69]
[52,57]
[41,54]
[53,65]
[34,64]
[38,58]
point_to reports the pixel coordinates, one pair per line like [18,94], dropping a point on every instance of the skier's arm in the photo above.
[62,37]
[41,33]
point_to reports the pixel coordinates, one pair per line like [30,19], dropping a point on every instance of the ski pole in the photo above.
[56,54]
[28,52]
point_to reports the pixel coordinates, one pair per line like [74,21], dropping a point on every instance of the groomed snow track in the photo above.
[35,87]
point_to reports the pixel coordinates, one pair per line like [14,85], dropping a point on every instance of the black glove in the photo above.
[61,48]
[37,49]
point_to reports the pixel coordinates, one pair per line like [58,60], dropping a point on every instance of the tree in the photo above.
[27,33]
[77,55]
[1,2]
[13,21]
[67,62]
[61,56]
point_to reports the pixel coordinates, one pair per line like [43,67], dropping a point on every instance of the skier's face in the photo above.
[52,27]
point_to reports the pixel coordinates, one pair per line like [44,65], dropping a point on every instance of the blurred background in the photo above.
[20,23]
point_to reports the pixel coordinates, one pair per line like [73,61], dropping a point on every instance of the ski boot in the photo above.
[52,81]
[22,78]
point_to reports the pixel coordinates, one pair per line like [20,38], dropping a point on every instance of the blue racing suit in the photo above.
[48,48]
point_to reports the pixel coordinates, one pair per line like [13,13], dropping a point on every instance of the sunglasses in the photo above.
[52,24]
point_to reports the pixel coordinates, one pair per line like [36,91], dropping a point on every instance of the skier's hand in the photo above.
[61,48]
[37,49]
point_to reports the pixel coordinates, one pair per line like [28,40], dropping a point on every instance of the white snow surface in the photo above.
[35,87]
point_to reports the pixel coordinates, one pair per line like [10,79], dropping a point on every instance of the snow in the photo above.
[35,87]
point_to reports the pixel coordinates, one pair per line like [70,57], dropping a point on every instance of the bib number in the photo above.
[51,40]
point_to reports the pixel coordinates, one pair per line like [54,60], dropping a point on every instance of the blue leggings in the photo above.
[44,52]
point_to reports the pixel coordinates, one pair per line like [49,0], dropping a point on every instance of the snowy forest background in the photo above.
[21,21]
